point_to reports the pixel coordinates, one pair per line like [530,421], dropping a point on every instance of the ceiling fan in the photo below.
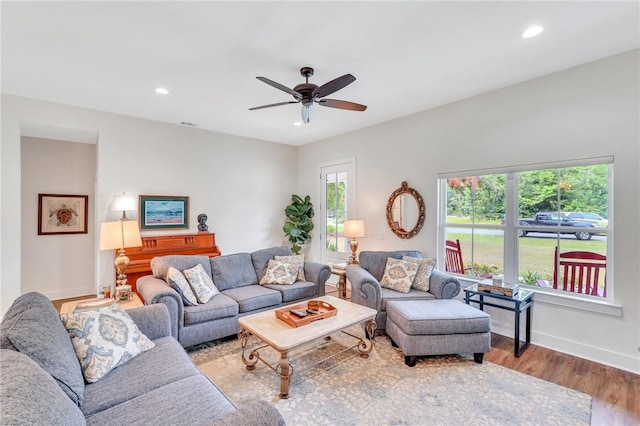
[308,93]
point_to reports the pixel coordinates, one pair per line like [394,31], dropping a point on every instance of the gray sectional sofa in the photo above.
[41,381]
[236,276]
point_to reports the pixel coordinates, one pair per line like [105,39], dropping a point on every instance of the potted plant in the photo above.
[298,224]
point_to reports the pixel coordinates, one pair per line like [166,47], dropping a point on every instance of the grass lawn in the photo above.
[466,220]
[536,253]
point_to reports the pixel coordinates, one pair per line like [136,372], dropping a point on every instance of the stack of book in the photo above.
[508,290]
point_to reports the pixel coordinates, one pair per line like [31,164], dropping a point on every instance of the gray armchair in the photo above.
[365,283]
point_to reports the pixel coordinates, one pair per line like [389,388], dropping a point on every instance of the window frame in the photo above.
[511,226]
[347,165]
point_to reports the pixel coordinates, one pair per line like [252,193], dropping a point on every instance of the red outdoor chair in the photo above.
[580,272]
[453,261]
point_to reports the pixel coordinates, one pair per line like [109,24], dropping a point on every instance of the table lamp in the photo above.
[123,203]
[118,235]
[353,229]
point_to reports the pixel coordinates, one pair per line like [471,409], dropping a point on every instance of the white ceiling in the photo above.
[406,56]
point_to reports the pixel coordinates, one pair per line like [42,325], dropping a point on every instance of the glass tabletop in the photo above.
[521,295]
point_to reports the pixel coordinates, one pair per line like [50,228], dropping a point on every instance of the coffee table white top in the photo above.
[283,337]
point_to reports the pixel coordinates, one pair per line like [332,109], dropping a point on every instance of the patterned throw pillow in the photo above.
[298,259]
[398,275]
[104,339]
[201,283]
[179,283]
[421,280]
[280,273]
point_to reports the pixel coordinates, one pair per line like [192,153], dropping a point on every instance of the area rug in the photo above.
[346,389]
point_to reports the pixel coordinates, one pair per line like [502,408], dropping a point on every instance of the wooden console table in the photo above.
[202,243]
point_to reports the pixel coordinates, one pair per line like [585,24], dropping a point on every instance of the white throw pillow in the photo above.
[398,275]
[179,283]
[280,273]
[200,283]
[297,259]
[104,339]
[421,280]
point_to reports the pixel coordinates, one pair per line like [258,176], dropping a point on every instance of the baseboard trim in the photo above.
[69,293]
[571,347]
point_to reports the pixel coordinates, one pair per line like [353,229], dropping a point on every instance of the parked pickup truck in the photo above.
[584,232]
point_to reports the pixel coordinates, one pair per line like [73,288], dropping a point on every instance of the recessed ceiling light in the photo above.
[532,31]
[162,91]
[297,123]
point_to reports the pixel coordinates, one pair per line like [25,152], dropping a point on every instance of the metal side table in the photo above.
[522,301]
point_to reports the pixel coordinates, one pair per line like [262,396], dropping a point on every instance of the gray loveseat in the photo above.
[41,381]
[236,276]
[366,290]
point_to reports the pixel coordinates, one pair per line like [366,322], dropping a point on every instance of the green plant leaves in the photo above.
[299,224]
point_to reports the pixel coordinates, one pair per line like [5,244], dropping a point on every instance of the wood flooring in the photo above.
[615,393]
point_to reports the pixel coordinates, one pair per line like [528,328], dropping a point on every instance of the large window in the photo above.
[547,227]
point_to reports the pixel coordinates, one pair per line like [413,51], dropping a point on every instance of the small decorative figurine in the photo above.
[202,223]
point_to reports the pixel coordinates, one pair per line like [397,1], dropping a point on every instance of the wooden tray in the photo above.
[325,311]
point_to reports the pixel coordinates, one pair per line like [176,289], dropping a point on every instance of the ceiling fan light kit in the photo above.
[306,112]
[308,93]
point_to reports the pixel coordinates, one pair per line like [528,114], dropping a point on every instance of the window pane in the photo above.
[538,192]
[538,262]
[488,252]
[476,199]
[482,251]
[536,259]
[584,194]
[566,208]
[458,258]
[581,266]
[479,202]
[459,200]
[336,212]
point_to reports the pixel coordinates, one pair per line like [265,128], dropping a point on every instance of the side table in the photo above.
[342,281]
[522,301]
[133,302]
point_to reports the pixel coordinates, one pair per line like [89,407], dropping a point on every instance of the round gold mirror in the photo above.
[405,211]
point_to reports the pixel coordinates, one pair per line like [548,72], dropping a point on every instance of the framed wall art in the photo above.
[158,212]
[62,214]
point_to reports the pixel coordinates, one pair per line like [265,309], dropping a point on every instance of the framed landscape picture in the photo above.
[159,212]
[62,214]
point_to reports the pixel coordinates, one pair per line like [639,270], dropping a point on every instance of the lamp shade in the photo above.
[119,234]
[353,228]
[123,203]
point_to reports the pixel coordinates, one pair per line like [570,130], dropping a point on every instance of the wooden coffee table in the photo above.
[285,338]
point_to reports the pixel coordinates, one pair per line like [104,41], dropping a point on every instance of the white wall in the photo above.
[58,266]
[242,184]
[587,111]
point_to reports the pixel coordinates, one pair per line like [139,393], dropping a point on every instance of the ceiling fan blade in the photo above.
[273,105]
[272,83]
[335,103]
[333,86]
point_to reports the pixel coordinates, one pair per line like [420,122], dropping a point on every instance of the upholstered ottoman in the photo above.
[437,327]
